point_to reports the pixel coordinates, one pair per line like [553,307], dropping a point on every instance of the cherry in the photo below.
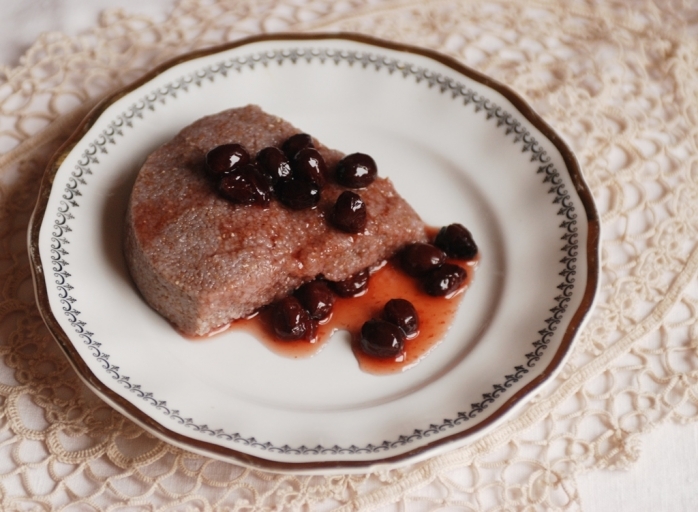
[290,321]
[317,299]
[381,339]
[349,213]
[224,159]
[456,241]
[445,280]
[401,312]
[309,165]
[246,186]
[352,286]
[295,143]
[298,194]
[274,164]
[356,171]
[418,258]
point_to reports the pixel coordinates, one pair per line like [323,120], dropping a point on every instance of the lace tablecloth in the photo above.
[619,81]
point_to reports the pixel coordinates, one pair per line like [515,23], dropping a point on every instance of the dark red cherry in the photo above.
[445,280]
[274,164]
[224,159]
[309,165]
[295,143]
[352,286]
[246,186]
[381,339]
[401,312]
[457,242]
[290,321]
[417,259]
[356,171]
[349,213]
[317,299]
[298,194]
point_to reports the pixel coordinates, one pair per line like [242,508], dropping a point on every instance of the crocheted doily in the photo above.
[619,82]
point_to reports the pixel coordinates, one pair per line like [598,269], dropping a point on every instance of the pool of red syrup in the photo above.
[388,282]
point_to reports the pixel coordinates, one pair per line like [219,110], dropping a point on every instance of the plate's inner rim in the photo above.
[550,177]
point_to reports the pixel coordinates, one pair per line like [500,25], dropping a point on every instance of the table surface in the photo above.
[665,476]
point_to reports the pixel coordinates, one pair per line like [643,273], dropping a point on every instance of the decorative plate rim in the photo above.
[211,449]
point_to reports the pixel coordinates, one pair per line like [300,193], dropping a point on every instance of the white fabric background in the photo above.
[666,476]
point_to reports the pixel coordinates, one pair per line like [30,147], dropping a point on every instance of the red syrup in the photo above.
[388,282]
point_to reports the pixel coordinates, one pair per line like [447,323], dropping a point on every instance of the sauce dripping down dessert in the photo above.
[387,284]
[241,213]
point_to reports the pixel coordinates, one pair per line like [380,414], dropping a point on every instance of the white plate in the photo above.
[458,146]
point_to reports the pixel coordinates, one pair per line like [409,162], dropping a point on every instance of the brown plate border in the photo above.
[214,450]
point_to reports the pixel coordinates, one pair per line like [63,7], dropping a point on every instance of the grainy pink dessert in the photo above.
[202,262]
